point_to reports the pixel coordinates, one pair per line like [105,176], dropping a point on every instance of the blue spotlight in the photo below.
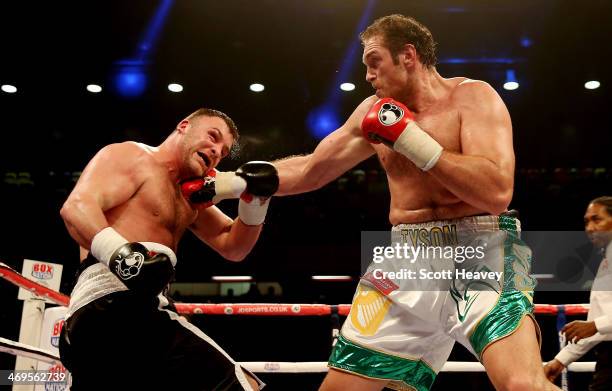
[351,56]
[322,121]
[151,34]
[481,60]
[130,79]
[526,42]
[130,75]
[511,81]
[325,119]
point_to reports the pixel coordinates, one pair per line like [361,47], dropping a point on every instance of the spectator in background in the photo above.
[596,331]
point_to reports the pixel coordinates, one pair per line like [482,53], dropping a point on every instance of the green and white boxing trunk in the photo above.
[404,331]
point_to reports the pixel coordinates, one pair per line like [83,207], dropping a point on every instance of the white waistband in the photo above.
[468,224]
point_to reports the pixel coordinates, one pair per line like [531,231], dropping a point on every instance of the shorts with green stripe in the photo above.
[405,335]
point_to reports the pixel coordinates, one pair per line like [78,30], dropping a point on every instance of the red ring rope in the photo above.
[262,309]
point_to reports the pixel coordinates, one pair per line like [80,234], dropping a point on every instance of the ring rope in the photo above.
[20,349]
[255,309]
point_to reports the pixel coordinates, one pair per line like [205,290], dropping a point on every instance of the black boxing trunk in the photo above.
[122,340]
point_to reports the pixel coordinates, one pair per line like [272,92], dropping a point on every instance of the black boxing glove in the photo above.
[262,182]
[144,271]
[261,178]
[256,178]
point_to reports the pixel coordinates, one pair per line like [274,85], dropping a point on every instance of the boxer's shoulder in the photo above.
[129,151]
[360,111]
[467,92]
[469,87]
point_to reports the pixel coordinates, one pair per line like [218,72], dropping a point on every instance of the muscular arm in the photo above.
[106,182]
[335,154]
[483,174]
[230,238]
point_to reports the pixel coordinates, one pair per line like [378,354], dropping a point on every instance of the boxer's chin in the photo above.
[380,94]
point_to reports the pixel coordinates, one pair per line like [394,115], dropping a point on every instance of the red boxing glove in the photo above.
[386,121]
[255,178]
[392,123]
[214,187]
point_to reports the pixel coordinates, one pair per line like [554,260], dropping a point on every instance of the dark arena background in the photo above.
[301,52]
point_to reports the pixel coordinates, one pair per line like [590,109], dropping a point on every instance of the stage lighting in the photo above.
[175,87]
[347,86]
[322,121]
[130,79]
[592,84]
[256,87]
[9,89]
[94,88]
[511,82]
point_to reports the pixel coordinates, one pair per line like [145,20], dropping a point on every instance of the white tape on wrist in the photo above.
[418,146]
[254,212]
[228,185]
[105,243]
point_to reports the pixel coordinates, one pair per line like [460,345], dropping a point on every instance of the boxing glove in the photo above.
[392,123]
[262,182]
[141,270]
[256,178]
[213,188]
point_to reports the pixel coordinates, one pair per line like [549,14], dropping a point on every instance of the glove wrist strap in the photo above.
[228,185]
[254,212]
[105,243]
[418,146]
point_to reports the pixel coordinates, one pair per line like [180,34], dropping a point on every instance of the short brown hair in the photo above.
[605,201]
[205,112]
[398,30]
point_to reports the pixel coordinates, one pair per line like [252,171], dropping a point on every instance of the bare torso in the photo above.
[417,196]
[157,212]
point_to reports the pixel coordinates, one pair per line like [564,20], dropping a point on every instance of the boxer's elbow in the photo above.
[68,211]
[498,203]
[235,255]
[77,209]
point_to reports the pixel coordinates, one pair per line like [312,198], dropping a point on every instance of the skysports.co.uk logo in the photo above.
[42,271]
[55,334]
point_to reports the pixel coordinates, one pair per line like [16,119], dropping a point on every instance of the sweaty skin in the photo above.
[473,176]
[135,189]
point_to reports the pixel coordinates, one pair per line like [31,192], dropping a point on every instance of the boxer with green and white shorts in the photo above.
[404,331]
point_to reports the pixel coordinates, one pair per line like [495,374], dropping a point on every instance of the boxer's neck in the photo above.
[167,154]
[426,87]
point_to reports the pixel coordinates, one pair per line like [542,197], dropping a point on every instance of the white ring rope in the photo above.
[20,349]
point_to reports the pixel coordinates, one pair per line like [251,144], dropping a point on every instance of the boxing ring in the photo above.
[265,309]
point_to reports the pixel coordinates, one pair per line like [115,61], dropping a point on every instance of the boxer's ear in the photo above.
[408,55]
[182,126]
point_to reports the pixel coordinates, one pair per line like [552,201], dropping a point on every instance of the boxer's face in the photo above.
[207,141]
[598,225]
[386,77]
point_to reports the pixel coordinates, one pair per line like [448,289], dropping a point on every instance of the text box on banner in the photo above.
[45,273]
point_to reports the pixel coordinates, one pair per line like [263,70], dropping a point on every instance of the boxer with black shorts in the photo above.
[129,209]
